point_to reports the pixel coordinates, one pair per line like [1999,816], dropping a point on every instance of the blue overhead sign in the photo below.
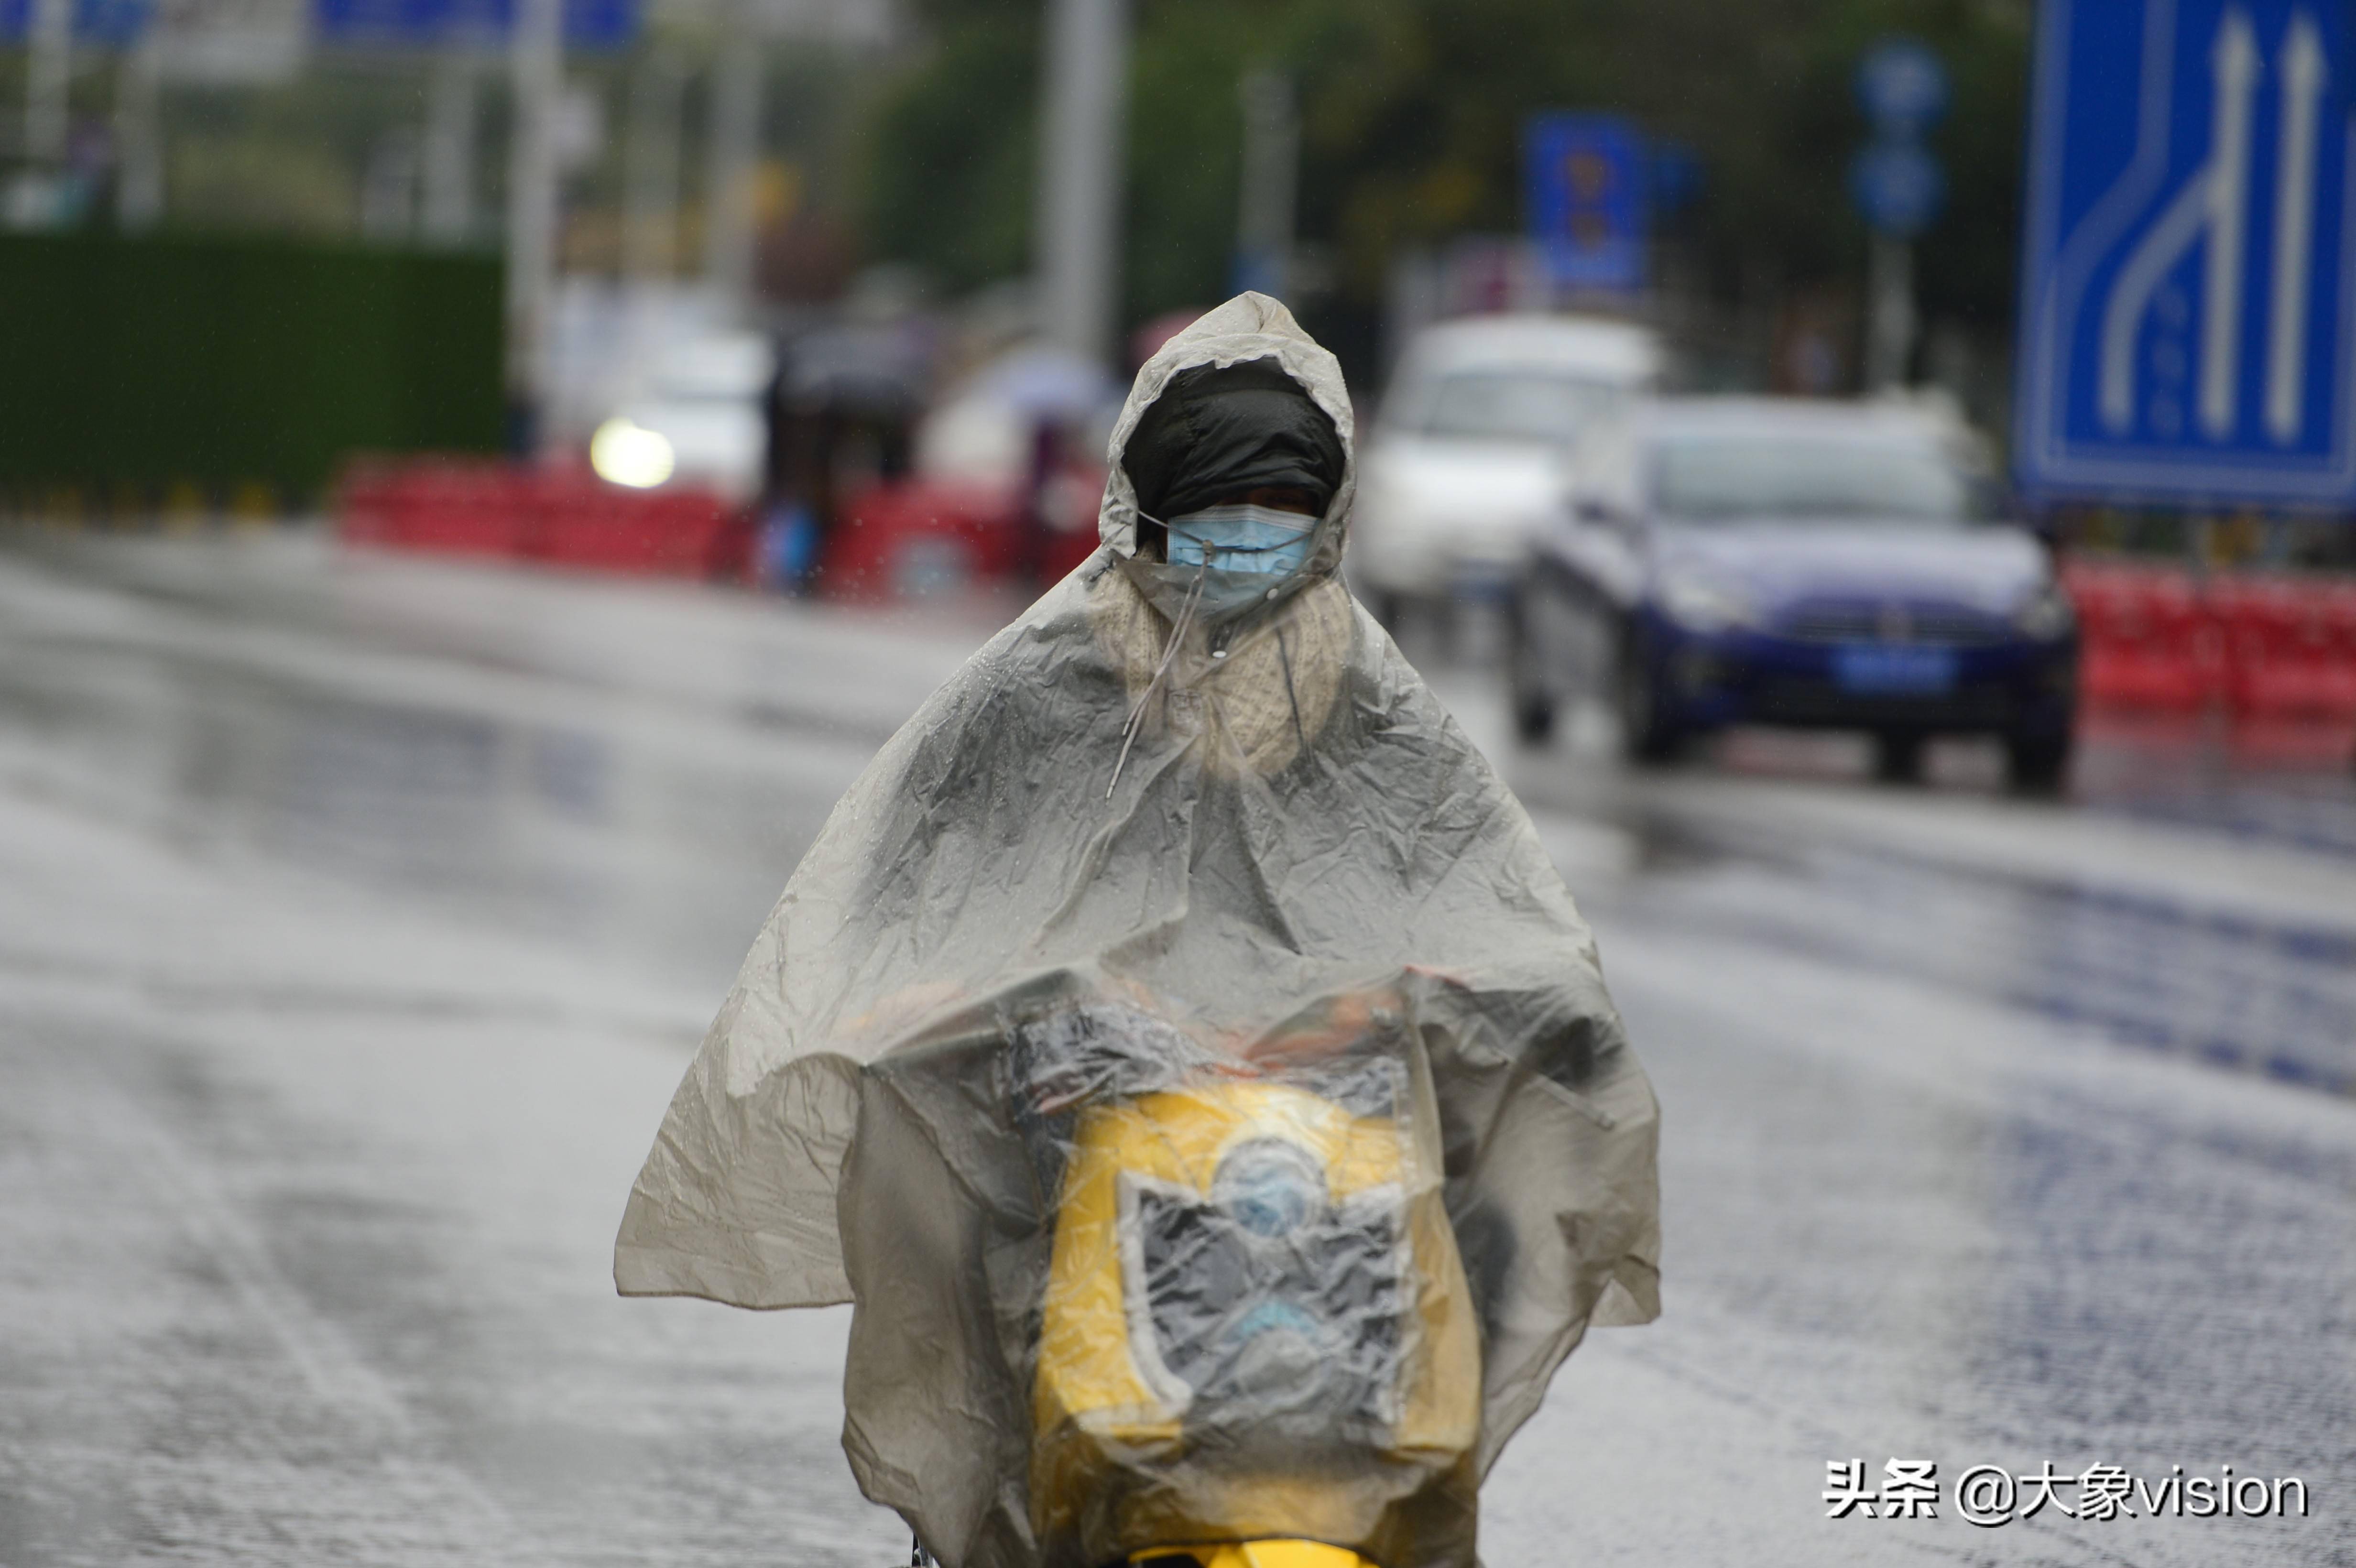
[104,22]
[1587,179]
[438,24]
[2188,310]
[1898,186]
[1902,87]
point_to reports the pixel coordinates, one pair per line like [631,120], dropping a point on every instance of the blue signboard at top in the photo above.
[434,23]
[2188,314]
[1898,186]
[1902,87]
[1586,176]
[110,22]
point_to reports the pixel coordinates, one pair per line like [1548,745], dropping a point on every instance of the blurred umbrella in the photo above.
[1047,383]
[860,366]
[1146,340]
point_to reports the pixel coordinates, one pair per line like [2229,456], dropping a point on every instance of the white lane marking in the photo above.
[187,1191]
[335,1372]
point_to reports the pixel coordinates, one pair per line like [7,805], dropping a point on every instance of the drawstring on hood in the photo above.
[1178,630]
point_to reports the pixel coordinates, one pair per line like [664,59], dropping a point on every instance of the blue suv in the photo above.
[1725,560]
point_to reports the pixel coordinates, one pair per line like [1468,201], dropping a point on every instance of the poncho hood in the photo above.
[1218,433]
[1250,329]
[1218,830]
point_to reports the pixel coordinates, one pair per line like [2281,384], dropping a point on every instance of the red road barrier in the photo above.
[2271,644]
[439,505]
[562,516]
[2147,640]
[913,537]
[905,540]
[2290,647]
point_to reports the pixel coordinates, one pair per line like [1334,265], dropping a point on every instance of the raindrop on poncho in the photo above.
[1301,898]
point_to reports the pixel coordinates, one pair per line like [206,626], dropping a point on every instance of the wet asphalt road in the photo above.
[358,916]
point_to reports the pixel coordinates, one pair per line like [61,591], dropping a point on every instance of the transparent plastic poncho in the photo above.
[1180,1048]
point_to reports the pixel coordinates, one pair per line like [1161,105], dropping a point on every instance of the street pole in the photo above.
[1270,175]
[389,187]
[1082,146]
[650,173]
[48,70]
[728,238]
[1889,313]
[139,129]
[449,173]
[536,63]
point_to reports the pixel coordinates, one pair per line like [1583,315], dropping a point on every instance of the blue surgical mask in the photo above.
[1241,538]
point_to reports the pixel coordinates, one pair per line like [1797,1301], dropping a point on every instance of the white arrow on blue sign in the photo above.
[2189,314]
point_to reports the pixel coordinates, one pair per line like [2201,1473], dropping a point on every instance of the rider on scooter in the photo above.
[1180,1047]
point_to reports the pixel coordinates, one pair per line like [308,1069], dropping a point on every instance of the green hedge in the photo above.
[139,365]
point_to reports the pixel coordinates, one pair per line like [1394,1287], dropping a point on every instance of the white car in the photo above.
[700,421]
[1465,460]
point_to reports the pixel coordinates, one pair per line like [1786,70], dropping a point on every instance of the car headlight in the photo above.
[2045,614]
[1699,604]
[624,452]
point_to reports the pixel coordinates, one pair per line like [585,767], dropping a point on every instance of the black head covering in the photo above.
[1217,430]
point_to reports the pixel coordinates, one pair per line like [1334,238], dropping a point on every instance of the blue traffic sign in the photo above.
[1902,86]
[2187,327]
[1587,177]
[1898,186]
[438,24]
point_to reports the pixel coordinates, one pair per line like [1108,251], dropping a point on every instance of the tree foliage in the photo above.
[1412,112]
